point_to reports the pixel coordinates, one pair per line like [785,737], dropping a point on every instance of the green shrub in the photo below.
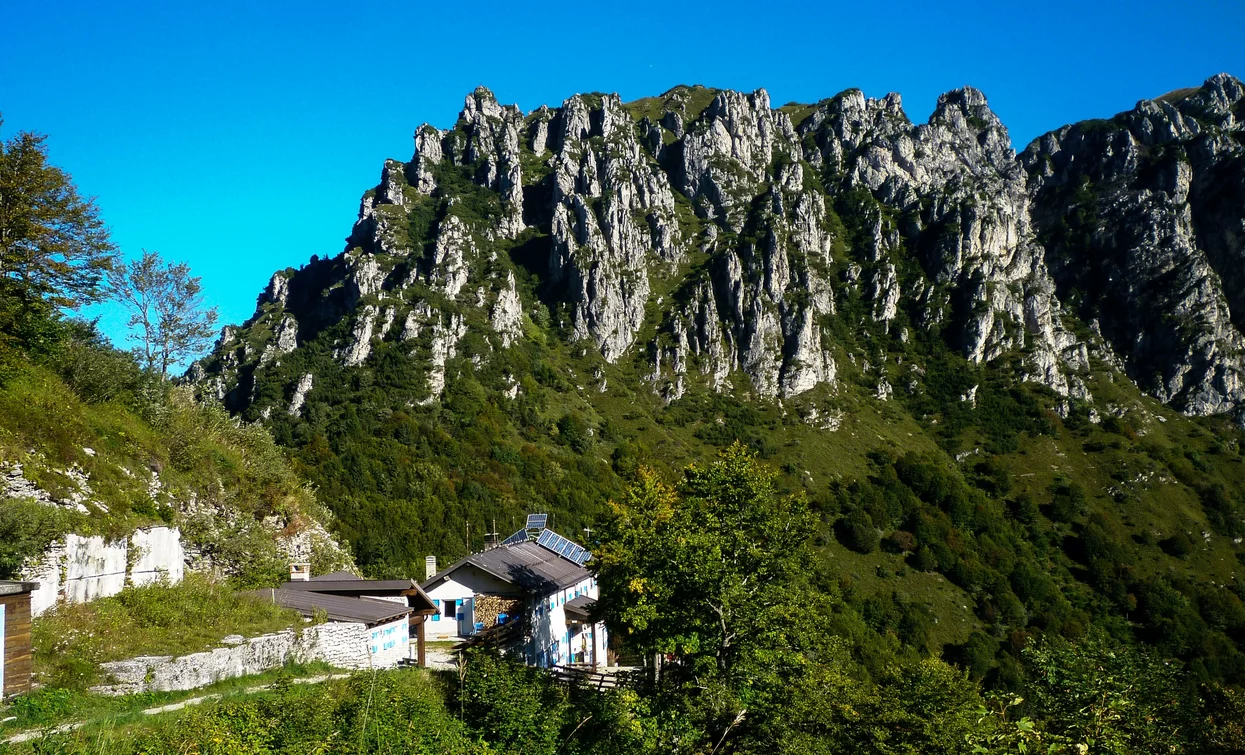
[27,529]
[574,432]
[1069,503]
[856,531]
[1178,545]
[517,708]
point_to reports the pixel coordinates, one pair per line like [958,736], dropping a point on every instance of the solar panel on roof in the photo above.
[568,549]
[518,537]
[537,521]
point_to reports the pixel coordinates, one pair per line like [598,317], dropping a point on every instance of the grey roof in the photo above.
[358,587]
[352,585]
[579,608]
[8,587]
[526,565]
[336,576]
[335,607]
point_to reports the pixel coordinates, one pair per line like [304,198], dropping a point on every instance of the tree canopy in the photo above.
[54,249]
[168,319]
[701,568]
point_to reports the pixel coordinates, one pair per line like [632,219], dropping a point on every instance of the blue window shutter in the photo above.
[437,616]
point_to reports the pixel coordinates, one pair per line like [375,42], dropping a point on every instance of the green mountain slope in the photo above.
[90,444]
[537,304]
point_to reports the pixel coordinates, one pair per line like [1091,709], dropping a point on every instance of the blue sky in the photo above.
[239,138]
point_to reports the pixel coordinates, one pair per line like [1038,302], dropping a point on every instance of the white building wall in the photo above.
[601,637]
[389,643]
[47,572]
[592,643]
[93,568]
[551,644]
[78,569]
[464,584]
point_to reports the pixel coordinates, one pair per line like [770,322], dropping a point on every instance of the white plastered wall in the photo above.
[465,582]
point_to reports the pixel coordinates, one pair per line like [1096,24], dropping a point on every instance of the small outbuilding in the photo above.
[15,653]
[405,592]
[386,622]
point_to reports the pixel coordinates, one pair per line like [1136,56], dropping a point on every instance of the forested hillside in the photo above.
[894,316]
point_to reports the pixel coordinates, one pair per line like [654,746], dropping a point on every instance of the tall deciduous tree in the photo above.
[54,249]
[708,570]
[168,319]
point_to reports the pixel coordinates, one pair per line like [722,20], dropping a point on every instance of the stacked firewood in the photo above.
[489,607]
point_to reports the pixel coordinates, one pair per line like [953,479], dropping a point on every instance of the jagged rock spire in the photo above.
[729,206]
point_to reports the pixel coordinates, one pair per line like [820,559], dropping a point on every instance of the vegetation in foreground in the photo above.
[50,706]
[758,663]
[73,639]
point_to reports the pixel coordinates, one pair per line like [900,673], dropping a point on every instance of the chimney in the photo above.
[430,567]
[300,572]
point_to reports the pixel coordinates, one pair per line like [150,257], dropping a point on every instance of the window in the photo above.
[449,609]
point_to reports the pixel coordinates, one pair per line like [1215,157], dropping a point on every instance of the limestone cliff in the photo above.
[1143,221]
[706,236]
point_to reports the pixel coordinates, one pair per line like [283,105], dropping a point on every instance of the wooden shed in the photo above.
[15,656]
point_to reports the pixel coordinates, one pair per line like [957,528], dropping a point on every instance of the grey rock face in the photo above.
[300,395]
[454,246]
[356,351]
[427,155]
[766,301]
[1144,222]
[278,290]
[601,250]
[956,180]
[507,315]
[488,138]
[764,232]
[445,337]
[728,150]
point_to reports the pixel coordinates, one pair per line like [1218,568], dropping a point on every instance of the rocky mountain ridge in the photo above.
[705,236]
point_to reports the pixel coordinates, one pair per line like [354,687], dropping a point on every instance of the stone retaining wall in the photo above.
[340,644]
